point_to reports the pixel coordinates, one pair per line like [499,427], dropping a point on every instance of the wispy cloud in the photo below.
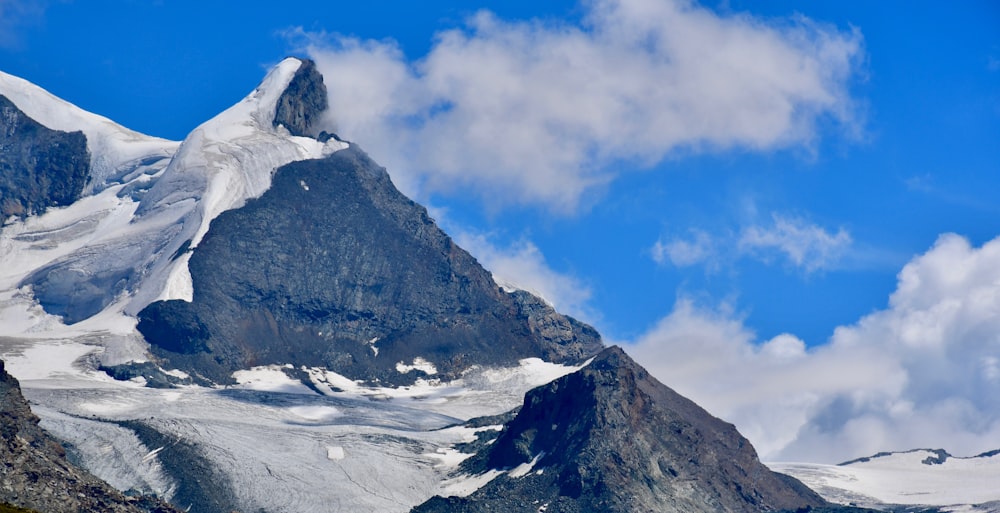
[923,372]
[14,16]
[522,265]
[537,112]
[805,245]
[794,240]
[700,248]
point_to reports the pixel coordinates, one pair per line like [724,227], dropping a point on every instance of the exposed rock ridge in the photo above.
[611,438]
[303,101]
[334,267]
[35,474]
[39,167]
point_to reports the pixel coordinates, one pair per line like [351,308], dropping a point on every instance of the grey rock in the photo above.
[39,167]
[303,101]
[332,257]
[35,474]
[612,438]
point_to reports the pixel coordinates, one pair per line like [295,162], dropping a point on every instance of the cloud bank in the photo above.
[923,372]
[543,112]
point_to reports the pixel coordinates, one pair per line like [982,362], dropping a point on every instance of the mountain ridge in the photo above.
[610,437]
[255,247]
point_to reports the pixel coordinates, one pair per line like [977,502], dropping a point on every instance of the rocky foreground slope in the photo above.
[35,474]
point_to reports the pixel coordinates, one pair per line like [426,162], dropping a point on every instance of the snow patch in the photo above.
[419,364]
[448,457]
[334,453]
[51,361]
[525,468]
[316,413]
[269,378]
[177,373]
[465,485]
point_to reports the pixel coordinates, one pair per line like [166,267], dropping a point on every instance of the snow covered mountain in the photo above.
[76,277]
[256,319]
[922,477]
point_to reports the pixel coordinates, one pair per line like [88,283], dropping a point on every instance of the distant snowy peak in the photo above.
[115,150]
[925,477]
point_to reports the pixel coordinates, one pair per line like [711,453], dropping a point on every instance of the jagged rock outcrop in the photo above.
[35,474]
[612,438]
[39,167]
[303,101]
[333,267]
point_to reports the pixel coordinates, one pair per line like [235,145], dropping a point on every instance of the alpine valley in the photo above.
[254,319]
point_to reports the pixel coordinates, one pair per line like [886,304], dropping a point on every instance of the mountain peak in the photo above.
[610,437]
[303,101]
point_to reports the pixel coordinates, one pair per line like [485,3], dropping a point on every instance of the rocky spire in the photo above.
[303,101]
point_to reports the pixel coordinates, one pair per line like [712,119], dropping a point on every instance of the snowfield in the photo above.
[957,484]
[282,446]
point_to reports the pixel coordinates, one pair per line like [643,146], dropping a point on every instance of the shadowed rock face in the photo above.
[39,167]
[303,101]
[611,438]
[333,257]
[35,474]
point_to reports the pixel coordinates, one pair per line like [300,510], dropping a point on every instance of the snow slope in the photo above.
[957,484]
[281,446]
[115,150]
[116,248]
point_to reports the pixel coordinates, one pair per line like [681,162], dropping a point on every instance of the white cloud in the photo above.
[700,249]
[537,112]
[522,265]
[806,245]
[921,373]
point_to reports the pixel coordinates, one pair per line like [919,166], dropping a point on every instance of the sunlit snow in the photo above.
[903,478]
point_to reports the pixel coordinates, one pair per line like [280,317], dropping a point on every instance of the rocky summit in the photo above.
[612,438]
[35,474]
[333,267]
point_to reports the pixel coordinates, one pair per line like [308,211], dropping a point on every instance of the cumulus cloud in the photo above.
[539,112]
[921,373]
[803,244]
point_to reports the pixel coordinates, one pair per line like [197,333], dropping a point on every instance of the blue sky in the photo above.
[709,210]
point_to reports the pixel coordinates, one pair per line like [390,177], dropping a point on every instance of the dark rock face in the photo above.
[35,474]
[611,438]
[333,257]
[39,167]
[303,101]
